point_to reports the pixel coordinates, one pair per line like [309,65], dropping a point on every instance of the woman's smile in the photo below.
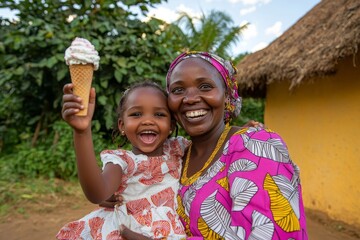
[195,114]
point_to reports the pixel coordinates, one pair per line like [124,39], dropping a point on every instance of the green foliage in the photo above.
[52,157]
[252,109]
[214,32]
[34,141]
[33,70]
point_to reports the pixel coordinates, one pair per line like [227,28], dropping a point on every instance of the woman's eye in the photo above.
[205,87]
[177,90]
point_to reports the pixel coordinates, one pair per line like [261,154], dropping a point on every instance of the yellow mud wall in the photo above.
[320,123]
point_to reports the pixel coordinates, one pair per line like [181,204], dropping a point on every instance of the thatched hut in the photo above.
[311,78]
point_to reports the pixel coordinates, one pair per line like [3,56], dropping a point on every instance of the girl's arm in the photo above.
[97,185]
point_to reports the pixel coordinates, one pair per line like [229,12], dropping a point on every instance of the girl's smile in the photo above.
[146,120]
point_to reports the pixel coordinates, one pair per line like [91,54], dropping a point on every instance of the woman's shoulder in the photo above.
[259,141]
[255,133]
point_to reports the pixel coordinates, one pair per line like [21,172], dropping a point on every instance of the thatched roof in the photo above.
[311,47]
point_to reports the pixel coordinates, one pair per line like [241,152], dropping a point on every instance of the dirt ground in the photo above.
[41,220]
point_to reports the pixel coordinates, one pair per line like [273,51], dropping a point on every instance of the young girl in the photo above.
[146,177]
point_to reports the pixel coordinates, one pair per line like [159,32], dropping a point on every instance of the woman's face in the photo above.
[197,96]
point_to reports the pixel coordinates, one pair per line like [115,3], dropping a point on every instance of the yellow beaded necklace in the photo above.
[187,181]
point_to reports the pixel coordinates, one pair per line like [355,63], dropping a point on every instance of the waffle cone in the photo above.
[81,77]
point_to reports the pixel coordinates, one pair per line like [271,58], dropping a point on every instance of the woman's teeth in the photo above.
[194,114]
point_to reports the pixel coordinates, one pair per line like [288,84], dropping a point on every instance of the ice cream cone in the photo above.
[81,77]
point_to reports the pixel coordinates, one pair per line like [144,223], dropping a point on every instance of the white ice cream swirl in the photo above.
[81,51]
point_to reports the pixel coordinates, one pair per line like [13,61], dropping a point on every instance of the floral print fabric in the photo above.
[252,192]
[149,188]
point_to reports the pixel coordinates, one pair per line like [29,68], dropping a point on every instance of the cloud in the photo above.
[247,10]
[241,47]
[169,15]
[190,11]
[250,32]
[163,13]
[246,38]
[7,13]
[259,46]
[250,2]
[274,29]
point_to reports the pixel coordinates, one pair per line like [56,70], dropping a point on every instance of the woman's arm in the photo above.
[265,186]
[130,235]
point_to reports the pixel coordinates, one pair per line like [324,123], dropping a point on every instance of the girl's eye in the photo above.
[135,114]
[160,114]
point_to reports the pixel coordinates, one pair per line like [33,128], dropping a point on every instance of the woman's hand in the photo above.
[72,105]
[127,234]
[115,199]
[253,123]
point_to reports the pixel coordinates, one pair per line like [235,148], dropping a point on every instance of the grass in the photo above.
[40,195]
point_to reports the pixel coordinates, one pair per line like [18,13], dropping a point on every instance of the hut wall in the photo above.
[320,123]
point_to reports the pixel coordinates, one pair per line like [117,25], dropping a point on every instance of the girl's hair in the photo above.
[144,84]
[123,99]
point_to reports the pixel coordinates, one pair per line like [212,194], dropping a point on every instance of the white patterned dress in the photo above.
[149,188]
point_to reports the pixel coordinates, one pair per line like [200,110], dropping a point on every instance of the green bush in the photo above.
[252,109]
[33,71]
[53,157]
[34,141]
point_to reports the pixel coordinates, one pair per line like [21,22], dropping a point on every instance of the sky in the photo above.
[267,19]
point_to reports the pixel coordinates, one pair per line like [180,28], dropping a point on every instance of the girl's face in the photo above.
[197,96]
[146,120]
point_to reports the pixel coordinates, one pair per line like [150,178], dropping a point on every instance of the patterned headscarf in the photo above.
[227,71]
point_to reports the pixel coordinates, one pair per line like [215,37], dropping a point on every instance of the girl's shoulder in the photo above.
[119,155]
[178,140]
[116,152]
[176,145]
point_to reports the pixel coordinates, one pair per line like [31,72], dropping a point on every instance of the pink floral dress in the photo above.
[149,188]
[252,192]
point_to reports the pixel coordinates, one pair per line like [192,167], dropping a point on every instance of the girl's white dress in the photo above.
[149,189]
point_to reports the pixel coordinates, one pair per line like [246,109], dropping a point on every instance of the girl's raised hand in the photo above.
[72,105]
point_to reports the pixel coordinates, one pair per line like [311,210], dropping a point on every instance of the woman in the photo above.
[237,183]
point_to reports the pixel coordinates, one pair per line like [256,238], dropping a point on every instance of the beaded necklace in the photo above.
[187,181]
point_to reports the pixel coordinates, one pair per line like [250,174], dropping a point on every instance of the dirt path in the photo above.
[43,222]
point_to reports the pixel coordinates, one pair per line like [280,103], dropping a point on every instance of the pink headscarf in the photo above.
[227,71]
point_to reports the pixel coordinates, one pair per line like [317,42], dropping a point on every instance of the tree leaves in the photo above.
[32,56]
[213,32]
